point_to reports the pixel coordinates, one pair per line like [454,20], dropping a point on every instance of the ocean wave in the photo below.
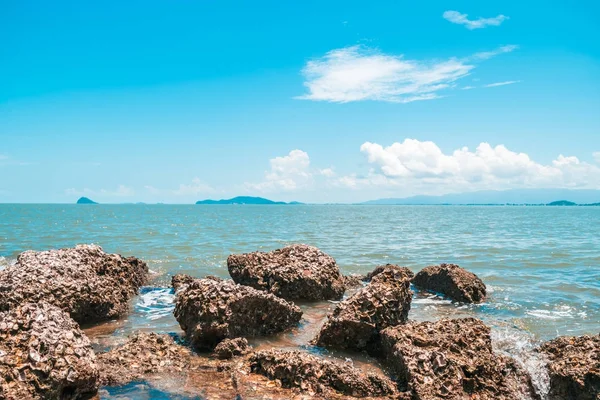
[155,303]
[559,312]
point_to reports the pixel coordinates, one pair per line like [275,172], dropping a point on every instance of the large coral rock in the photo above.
[400,272]
[357,321]
[453,281]
[314,374]
[296,272]
[84,281]
[210,311]
[143,354]
[574,367]
[452,359]
[44,355]
[230,348]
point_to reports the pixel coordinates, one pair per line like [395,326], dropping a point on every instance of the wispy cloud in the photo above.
[501,83]
[359,73]
[194,188]
[120,191]
[597,156]
[462,19]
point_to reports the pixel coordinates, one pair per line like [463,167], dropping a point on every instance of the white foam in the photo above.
[559,312]
[156,303]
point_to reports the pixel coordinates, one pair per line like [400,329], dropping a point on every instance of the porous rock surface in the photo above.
[317,375]
[453,281]
[357,321]
[452,359]
[210,311]
[143,354]
[84,281]
[400,272]
[230,348]
[44,355]
[574,367]
[296,272]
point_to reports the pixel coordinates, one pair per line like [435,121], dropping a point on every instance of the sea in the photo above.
[541,265]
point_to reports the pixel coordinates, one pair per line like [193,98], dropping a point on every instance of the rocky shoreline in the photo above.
[44,354]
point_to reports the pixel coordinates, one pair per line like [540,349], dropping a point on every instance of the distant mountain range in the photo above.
[515,196]
[245,200]
[85,200]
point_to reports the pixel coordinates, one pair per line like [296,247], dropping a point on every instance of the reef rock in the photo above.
[143,354]
[210,311]
[44,355]
[316,375]
[296,272]
[400,272]
[574,367]
[230,348]
[357,321]
[453,281]
[84,281]
[353,281]
[452,359]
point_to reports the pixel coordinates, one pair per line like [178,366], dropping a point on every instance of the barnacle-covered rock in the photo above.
[210,311]
[84,281]
[574,367]
[453,281]
[314,374]
[44,355]
[357,321]
[400,272]
[452,359]
[296,272]
[230,348]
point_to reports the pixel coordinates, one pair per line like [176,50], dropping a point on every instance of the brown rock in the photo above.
[178,281]
[296,272]
[230,348]
[401,272]
[314,374]
[452,359]
[44,355]
[574,367]
[353,281]
[357,321]
[210,311]
[143,354]
[84,281]
[453,281]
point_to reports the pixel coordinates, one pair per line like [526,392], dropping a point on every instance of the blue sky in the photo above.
[175,101]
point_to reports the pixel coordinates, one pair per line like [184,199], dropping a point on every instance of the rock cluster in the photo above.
[210,311]
[453,281]
[357,321]
[143,354]
[230,348]
[296,272]
[316,375]
[84,281]
[452,359]
[574,367]
[44,355]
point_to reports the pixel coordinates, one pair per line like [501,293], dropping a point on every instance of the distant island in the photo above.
[85,200]
[245,200]
[562,203]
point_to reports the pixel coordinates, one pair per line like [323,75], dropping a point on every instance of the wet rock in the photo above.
[453,281]
[314,374]
[357,321]
[210,311]
[44,355]
[230,348]
[452,359]
[400,272]
[84,281]
[296,272]
[574,367]
[143,354]
[353,281]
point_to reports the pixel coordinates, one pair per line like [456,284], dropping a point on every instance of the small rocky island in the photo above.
[44,354]
[85,200]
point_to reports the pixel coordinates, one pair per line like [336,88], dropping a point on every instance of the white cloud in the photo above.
[120,191]
[597,156]
[327,172]
[422,167]
[501,83]
[457,18]
[287,173]
[359,73]
[194,188]
[467,87]
[486,55]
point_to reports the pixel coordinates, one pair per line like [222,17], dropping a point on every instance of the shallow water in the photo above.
[541,264]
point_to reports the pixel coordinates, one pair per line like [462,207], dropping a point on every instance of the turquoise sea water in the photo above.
[541,264]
